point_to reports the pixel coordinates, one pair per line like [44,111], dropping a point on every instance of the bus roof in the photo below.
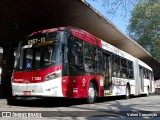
[84,35]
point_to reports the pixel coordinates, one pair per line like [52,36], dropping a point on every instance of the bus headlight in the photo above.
[53,75]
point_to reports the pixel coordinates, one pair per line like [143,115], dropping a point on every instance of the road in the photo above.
[112,108]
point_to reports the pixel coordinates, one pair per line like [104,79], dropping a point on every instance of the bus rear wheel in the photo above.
[91,93]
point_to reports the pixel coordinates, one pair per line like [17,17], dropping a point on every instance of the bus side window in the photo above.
[144,72]
[124,69]
[76,54]
[90,56]
[130,70]
[116,66]
[99,63]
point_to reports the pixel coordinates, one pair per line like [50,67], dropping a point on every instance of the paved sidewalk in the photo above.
[3,102]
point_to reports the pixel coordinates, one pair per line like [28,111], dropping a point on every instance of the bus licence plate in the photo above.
[26,93]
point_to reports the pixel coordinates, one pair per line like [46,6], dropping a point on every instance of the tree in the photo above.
[144,26]
[117,7]
[124,6]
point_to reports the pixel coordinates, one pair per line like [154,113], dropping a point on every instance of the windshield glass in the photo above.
[38,51]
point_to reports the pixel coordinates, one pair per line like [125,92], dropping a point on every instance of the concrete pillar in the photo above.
[7,68]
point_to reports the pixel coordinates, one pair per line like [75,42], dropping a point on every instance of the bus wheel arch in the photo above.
[92,92]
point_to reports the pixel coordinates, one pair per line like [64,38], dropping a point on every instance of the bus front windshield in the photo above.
[38,52]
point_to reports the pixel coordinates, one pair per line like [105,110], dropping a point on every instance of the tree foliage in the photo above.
[117,7]
[144,26]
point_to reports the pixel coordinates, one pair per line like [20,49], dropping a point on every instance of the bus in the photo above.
[72,63]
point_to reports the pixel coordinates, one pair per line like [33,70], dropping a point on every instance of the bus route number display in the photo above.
[36,41]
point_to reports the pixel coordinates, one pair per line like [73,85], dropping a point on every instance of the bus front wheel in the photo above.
[91,93]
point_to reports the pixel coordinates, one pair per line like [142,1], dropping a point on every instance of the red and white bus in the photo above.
[72,63]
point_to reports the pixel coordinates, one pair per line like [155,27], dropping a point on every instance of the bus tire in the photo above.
[127,96]
[91,98]
[12,102]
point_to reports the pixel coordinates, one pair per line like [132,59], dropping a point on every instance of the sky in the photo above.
[119,21]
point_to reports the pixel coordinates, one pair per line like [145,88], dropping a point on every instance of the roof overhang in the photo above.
[21,17]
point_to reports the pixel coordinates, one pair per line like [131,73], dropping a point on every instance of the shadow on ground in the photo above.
[55,102]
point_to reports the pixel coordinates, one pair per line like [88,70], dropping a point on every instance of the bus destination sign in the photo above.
[36,40]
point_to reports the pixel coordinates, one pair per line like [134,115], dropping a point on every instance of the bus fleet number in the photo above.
[36,78]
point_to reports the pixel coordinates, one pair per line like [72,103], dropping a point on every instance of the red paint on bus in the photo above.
[34,76]
[77,86]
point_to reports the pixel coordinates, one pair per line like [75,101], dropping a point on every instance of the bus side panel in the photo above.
[146,85]
[119,86]
[77,86]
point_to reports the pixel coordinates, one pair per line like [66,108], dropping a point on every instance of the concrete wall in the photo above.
[157,84]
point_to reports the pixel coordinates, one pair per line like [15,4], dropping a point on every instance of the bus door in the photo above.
[141,79]
[107,74]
